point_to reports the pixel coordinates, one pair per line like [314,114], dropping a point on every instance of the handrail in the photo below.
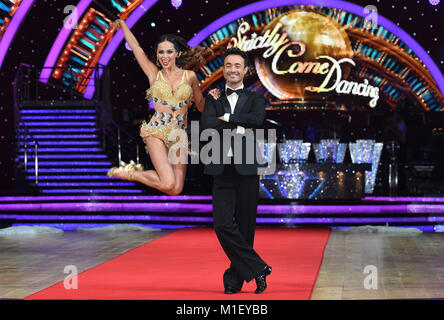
[117,134]
[17,86]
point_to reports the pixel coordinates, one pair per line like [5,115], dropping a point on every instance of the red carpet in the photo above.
[188,265]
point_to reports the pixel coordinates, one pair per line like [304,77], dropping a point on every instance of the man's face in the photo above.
[234,69]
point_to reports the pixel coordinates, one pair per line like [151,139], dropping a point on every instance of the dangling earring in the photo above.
[158,63]
[180,53]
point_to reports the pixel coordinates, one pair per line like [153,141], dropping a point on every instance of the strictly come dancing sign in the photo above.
[303,55]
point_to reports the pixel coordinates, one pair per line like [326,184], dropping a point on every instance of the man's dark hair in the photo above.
[238,52]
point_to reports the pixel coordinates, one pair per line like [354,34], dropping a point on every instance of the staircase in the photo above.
[71,159]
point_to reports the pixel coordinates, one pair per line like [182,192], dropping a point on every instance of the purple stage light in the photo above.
[434,2]
[209,220]
[74,226]
[128,47]
[58,124]
[73,177]
[207,208]
[64,149]
[85,184]
[106,198]
[125,217]
[61,136]
[409,199]
[67,156]
[49,111]
[59,117]
[176,3]
[74,163]
[54,130]
[343,5]
[62,143]
[422,228]
[63,170]
[65,191]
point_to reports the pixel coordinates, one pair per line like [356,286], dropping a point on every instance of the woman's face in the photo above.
[166,54]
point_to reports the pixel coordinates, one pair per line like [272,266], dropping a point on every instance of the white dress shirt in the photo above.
[232,100]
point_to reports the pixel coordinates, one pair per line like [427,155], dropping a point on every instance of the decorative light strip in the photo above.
[46,111]
[53,130]
[74,226]
[99,198]
[60,41]
[410,199]
[422,228]
[115,42]
[59,117]
[13,26]
[71,163]
[64,150]
[57,124]
[344,5]
[61,136]
[209,220]
[65,191]
[63,170]
[207,208]
[70,177]
[62,143]
[85,184]
[67,156]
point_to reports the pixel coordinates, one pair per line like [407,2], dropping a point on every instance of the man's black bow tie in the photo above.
[238,91]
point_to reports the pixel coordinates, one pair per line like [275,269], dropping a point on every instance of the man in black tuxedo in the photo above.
[236,181]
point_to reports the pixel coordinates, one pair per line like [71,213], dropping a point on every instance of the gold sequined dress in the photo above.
[169,120]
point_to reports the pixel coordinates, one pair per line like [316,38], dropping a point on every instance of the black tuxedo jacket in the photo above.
[248,113]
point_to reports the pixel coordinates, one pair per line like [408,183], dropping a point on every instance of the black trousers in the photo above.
[236,196]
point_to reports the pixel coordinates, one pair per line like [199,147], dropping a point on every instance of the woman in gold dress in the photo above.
[171,88]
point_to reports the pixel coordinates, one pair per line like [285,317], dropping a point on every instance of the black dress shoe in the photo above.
[231,290]
[261,282]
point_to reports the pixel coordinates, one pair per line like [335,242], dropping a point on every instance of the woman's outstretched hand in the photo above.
[215,93]
[116,25]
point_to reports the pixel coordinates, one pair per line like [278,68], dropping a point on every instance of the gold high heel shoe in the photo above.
[112,172]
[137,167]
[128,170]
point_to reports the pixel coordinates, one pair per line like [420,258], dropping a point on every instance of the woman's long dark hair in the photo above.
[190,56]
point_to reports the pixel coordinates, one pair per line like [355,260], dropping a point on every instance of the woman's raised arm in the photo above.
[147,66]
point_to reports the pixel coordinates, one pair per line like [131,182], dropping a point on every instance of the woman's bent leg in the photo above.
[163,177]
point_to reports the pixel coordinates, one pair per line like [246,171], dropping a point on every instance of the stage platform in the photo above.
[173,212]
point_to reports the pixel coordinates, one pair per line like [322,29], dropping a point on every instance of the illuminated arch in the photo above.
[13,27]
[343,5]
[58,44]
[107,53]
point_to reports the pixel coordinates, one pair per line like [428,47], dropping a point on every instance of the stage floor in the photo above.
[408,266]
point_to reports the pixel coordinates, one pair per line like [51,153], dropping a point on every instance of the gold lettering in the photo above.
[277,44]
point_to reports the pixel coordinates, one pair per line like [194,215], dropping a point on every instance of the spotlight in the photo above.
[176,3]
